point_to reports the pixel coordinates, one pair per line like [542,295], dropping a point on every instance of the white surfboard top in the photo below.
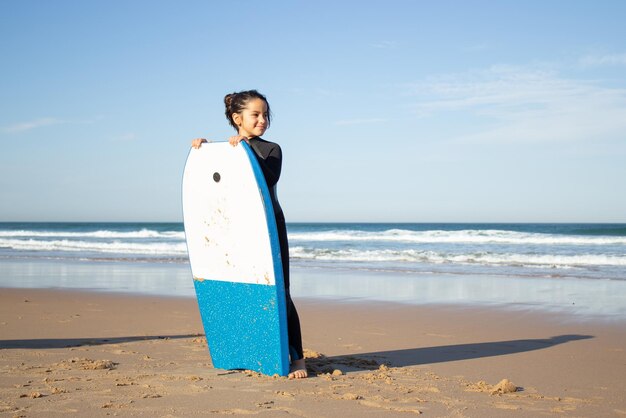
[225,218]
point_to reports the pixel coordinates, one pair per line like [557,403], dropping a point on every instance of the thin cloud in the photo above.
[43,122]
[526,104]
[33,124]
[603,60]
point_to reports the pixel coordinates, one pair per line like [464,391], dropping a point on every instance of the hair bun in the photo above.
[228,100]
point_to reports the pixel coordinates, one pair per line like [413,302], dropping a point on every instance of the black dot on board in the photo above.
[217,177]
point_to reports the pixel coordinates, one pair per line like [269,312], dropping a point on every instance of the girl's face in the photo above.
[252,121]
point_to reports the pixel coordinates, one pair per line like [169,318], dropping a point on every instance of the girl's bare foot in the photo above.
[298,370]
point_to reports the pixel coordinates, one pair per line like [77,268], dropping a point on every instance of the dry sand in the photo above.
[93,354]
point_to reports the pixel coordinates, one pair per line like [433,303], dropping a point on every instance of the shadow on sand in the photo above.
[441,354]
[361,361]
[77,342]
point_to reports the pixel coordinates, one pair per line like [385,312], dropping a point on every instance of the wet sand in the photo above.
[97,354]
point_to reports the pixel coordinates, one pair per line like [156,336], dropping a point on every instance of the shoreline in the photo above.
[95,353]
[591,298]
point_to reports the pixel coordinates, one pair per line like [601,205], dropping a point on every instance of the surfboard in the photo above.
[234,253]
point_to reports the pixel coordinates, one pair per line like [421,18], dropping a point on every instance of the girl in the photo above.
[249,113]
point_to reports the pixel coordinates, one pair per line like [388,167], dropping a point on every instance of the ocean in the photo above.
[592,251]
[556,263]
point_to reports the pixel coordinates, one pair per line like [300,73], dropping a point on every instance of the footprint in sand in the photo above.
[84,364]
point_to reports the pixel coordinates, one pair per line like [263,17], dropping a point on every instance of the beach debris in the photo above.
[337,372]
[308,354]
[504,386]
[56,391]
[351,397]
[285,394]
[228,372]
[265,405]
[88,364]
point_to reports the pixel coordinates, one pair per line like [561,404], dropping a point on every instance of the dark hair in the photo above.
[236,102]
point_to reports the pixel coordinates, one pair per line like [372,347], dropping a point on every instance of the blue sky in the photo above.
[450,111]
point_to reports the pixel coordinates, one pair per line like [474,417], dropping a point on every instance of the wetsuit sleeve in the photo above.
[272,165]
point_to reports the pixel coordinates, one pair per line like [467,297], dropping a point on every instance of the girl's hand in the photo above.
[235,140]
[196,143]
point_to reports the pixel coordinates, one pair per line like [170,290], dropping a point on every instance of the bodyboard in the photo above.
[234,253]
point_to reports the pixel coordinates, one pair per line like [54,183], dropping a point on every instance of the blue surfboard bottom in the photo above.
[245,326]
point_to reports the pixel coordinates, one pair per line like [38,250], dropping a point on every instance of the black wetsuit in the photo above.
[270,158]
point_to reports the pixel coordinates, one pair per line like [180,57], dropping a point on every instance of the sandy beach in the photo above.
[98,354]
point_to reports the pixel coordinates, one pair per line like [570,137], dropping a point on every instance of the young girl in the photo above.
[249,113]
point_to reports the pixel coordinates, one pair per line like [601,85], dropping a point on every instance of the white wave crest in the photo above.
[142,233]
[416,256]
[455,237]
[155,248]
